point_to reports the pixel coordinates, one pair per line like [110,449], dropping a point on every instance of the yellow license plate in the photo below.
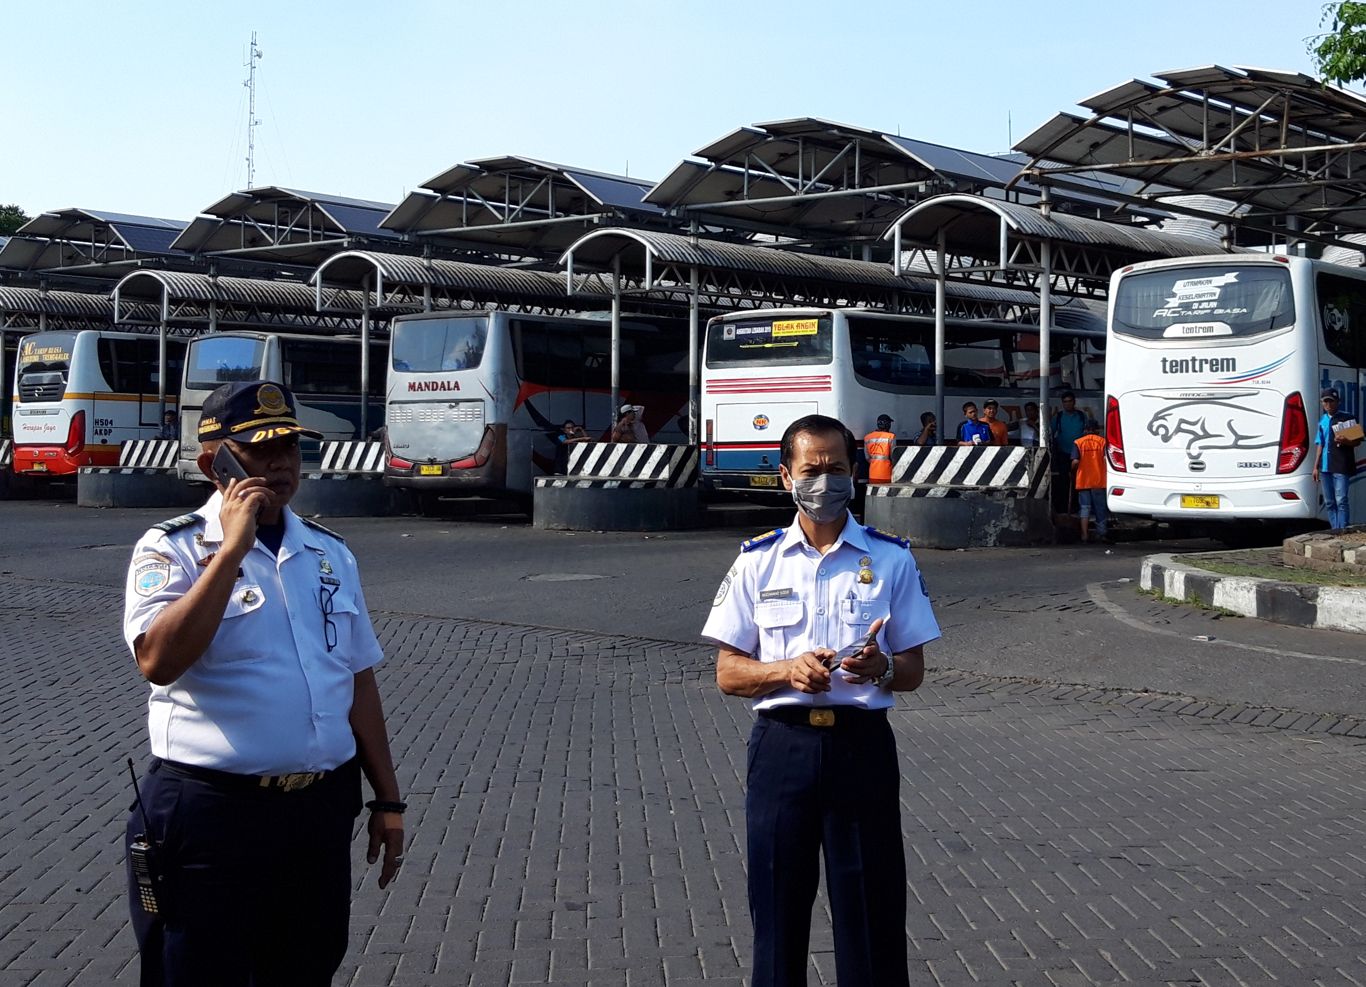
[763,481]
[1208,502]
[38,468]
[433,469]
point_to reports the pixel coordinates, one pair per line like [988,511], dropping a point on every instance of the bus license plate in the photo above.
[763,481]
[38,468]
[1201,501]
[429,469]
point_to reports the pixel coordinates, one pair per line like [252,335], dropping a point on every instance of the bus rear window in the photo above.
[435,345]
[44,363]
[769,342]
[215,360]
[1204,302]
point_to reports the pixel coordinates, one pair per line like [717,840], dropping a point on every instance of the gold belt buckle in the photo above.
[288,783]
[821,717]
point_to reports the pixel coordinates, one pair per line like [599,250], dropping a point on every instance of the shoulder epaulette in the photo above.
[886,536]
[757,540]
[176,523]
[323,528]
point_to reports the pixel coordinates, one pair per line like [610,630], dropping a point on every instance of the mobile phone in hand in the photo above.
[226,466]
[852,651]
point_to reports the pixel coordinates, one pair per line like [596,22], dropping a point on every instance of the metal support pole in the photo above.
[1045,341]
[941,426]
[426,298]
[213,315]
[161,373]
[694,360]
[616,336]
[365,365]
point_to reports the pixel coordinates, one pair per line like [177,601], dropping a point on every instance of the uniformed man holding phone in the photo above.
[250,625]
[819,625]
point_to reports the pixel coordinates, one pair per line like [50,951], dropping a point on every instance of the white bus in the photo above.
[78,394]
[322,371]
[1213,397]
[475,399]
[763,370]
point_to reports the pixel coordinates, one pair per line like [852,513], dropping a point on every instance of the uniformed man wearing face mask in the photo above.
[823,769]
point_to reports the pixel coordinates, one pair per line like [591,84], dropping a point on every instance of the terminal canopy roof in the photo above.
[1001,242]
[520,206]
[89,241]
[1284,149]
[731,275]
[27,309]
[403,283]
[286,225]
[808,178]
[192,302]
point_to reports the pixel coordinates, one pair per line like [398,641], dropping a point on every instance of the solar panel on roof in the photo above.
[959,164]
[146,239]
[617,192]
[129,219]
[354,219]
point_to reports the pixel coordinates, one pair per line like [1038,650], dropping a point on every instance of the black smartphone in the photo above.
[851,651]
[226,466]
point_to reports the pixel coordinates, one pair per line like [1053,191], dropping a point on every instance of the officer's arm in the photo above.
[372,748]
[738,674]
[910,669]
[183,630]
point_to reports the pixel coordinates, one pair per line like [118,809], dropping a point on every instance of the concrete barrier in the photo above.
[965,497]
[349,484]
[621,487]
[145,477]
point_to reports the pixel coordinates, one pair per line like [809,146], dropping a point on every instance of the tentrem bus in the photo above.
[79,394]
[763,370]
[322,371]
[1213,396]
[475,400]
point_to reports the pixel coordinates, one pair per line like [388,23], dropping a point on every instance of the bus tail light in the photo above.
[481,455]
[399,464]
[1114,436]
[1289,495]
[1294,435]
[75,435]
[1116,491]
[711,451]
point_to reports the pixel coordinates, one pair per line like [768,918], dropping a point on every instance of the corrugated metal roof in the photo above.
[972,226]
[354,266]
[178,286]
[35,301]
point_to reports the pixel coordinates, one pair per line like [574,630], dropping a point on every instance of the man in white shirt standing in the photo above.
[824,776]
[251,627]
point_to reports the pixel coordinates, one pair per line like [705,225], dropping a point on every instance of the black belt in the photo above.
[824,716]
[293,782]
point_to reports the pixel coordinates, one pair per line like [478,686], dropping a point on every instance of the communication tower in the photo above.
[253,57]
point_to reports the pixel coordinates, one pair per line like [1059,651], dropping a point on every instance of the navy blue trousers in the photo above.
[258,882]
[831,790]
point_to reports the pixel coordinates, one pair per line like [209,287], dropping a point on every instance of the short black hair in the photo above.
[926,417]
[817,425]
[1067,396]
[569,421]
[967,405]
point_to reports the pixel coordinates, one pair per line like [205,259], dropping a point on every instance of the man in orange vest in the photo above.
[1088,463]
[877,446]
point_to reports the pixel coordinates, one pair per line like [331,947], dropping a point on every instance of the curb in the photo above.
[1331,608]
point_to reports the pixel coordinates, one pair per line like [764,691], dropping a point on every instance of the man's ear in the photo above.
[205,463]
[786,477]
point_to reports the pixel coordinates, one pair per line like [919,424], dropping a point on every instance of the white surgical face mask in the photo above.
[823,498]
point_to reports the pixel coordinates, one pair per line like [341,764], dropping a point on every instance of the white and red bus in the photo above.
[78,394]
[475,399]
[1213,394]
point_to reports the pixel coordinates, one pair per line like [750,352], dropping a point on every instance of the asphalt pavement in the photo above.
[1097,787]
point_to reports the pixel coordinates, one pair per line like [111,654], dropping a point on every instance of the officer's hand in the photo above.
[242,501]
[386,830]
[870,663]
[807,674]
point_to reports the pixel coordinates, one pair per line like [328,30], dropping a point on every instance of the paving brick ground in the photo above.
[577,818]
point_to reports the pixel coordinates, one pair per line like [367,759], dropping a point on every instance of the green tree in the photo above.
[11,218]
[1340,53]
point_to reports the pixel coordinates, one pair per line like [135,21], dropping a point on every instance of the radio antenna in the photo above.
[253,57]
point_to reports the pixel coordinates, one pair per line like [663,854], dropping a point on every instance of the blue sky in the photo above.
[139,106]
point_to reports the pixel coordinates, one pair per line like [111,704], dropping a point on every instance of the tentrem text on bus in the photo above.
[476,399]
[322,371]
[763,370]
[79,394]
[1213,394]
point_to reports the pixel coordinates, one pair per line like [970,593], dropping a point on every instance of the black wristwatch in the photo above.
[380,805]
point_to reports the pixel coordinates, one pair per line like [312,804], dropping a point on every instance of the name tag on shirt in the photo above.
[776,594]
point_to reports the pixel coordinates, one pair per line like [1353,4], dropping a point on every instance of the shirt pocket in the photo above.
[239,638]
[339,623]
[780,624]
[861,613]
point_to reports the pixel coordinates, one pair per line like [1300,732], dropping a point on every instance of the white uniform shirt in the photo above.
[267,697]
[783,598]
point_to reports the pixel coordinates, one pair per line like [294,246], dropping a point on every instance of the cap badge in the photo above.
[865,576]
[270,400]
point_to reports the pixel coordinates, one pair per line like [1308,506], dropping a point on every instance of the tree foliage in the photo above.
[1340,53]
[11,218]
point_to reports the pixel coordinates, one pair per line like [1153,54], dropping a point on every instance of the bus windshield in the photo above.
[431,346]
[1206,301]
[48,352]
[769,342]
[215,360]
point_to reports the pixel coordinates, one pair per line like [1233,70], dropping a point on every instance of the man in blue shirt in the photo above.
[1334,461]
[972,432]
[1066,427]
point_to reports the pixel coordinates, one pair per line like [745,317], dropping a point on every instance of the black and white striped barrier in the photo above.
[144,477]
[621,487]
[965,497]
[348,483]
[6,453]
